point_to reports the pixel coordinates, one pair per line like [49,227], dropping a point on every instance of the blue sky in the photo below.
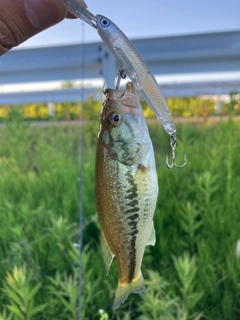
[142,19]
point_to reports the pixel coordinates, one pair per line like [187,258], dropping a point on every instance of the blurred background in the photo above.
[50,100]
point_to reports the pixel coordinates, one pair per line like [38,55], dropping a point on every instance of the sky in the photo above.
[144,19]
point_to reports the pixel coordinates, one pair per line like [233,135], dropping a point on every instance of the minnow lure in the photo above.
[132,65]
[126,188]
[131,62]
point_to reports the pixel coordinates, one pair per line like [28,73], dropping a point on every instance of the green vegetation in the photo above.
[192,272]
[180,107]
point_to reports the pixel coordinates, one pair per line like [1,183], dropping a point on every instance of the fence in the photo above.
[188,65]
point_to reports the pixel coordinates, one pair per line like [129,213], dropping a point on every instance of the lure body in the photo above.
[126,188]
[133,65]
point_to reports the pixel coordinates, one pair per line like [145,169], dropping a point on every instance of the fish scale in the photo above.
[126,189]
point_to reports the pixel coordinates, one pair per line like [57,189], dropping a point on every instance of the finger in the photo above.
[21,19]
[71,16]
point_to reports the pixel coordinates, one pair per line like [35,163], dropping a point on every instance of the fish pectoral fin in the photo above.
[124,290]
[107,253]
[152,237]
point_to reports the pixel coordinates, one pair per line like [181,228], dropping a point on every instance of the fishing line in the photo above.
[81,154]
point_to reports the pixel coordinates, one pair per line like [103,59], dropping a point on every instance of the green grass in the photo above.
[192,272]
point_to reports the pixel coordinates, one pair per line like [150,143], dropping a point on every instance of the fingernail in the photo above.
[45,13]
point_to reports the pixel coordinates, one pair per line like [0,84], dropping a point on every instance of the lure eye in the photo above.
[104,22]
[114,118]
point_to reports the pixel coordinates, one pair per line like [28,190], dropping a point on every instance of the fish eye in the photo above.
[104,22]
[114,118]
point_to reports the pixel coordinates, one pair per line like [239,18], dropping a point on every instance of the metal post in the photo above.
[109,68]
[218,105]
[51,109]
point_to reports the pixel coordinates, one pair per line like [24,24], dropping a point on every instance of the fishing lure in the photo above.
[132,65]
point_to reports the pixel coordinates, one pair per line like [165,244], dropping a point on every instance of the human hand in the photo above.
[22,19]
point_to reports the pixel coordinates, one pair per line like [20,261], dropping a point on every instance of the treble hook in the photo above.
[121,75]
[173,146]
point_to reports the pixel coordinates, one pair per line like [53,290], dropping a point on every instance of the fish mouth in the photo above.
[114,94]
[126,97]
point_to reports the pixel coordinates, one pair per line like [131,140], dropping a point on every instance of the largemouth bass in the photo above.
[126,188]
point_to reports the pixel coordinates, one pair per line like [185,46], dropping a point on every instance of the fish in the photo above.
[133,65]
[126,188]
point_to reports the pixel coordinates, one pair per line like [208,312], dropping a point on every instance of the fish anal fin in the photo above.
[152,237]
[124,290]
[107,253]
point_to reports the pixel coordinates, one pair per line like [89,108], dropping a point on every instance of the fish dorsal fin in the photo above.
[152,237]
[107,253]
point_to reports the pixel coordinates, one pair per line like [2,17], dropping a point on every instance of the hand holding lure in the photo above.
[132,65]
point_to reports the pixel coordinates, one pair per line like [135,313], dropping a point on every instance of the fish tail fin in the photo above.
[123,290]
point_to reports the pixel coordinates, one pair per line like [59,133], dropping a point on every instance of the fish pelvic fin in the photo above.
[152,237]
[124,290]
[107,253]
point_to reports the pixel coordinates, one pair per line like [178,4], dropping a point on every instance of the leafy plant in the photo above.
[66,290]
[5,316]
[197,211]
[160,301]
[190,223]
[156,302]
[186,269]
[21,292]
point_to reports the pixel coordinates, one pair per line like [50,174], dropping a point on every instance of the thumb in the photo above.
[21,19]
